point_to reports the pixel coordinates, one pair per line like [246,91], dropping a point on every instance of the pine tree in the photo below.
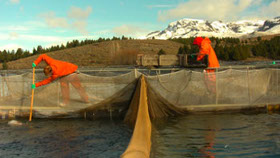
[236,54]
[4,66]
[39,49]
[19,53]
[1,57]
[186,50]
[180,50]
[161,52]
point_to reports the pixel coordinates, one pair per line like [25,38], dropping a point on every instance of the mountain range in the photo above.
[186,28]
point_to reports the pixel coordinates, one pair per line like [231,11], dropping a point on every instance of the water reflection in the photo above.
[221,135]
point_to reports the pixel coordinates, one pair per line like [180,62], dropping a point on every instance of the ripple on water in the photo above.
[217,135]
[65,138]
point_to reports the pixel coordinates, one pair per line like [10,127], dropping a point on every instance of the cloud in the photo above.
[77,19]
[54,22]
[14,1]
[31,41]
[129,30]
[13,35]
[21,8]
[257,2]
[78,13]
[211,10]
[14,28]
[272,9]
[10,47]
[80,26]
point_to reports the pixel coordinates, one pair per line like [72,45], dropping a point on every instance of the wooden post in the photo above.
[135,73]
[217,95]
[32,97]
[248,83]
[2,81]
[58,99]
[277,82]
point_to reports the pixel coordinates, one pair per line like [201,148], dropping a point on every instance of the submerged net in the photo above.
[244,87]
[110,93]
[16,93]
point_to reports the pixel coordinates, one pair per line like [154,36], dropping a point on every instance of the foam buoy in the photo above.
[271,108]
[14,123]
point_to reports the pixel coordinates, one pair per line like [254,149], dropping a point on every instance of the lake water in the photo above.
[217,135]
[200,135]
[64,138]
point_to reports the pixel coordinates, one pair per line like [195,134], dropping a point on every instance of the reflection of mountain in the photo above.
[193,27]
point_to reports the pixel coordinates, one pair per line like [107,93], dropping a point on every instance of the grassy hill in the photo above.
[103,53]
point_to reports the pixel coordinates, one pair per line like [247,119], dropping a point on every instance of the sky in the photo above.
[28,23]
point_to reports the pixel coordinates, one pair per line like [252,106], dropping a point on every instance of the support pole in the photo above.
[217,78]
[2,83]
[58,95]
[135,73]
[32,97]
[248,83]
[277,81]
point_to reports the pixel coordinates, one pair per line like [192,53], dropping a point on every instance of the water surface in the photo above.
[217,135]
[200,135]
[64,138]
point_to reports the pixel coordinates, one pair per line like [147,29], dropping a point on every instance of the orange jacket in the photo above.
[205,48]
[59,68]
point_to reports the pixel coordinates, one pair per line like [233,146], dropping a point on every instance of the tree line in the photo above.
[228,49]
[6,55]
[234,49]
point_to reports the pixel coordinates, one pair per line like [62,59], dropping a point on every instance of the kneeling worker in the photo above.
[65,72]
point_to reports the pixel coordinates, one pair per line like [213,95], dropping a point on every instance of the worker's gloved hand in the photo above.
[33,86]
[33,65]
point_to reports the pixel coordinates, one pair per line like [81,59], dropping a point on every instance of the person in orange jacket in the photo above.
[205,48]
[64,71]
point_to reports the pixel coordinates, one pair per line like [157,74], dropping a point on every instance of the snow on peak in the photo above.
[195,27]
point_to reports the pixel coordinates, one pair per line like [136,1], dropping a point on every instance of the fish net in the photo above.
[110,92]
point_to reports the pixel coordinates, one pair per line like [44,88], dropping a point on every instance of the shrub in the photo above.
[4,66]
[125,57]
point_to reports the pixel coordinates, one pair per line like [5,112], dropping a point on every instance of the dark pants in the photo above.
[210,79]
[75,81]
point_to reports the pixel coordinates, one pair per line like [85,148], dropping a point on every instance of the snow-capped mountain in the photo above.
[194,27]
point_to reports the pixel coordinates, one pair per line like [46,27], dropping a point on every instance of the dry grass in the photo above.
[125,57]
[101,54]
[258,59]
[254,39]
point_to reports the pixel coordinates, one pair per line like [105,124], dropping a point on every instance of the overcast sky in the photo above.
[29,23]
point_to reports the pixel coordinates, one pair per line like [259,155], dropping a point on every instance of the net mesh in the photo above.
[185,88]
[112,91]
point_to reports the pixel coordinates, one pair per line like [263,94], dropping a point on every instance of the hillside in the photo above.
[101,54]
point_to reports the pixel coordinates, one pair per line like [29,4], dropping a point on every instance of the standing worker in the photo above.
[205,48]
[66,72]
